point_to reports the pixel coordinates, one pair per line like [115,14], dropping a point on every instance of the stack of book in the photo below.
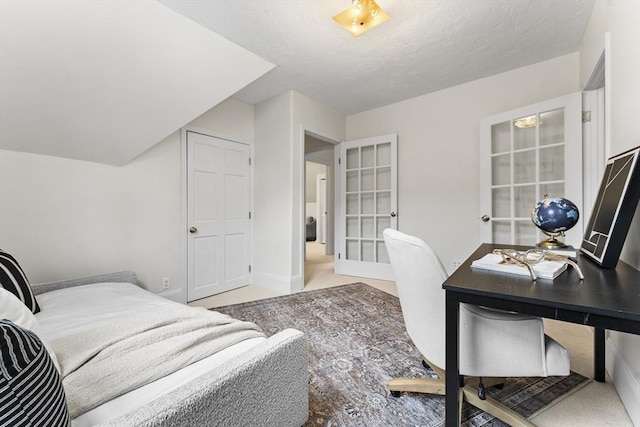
[543,269]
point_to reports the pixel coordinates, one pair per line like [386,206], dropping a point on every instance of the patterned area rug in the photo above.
[357,341]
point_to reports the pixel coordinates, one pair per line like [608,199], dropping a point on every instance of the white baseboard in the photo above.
[174,295]
[626,383]
[297,284]
[278,283]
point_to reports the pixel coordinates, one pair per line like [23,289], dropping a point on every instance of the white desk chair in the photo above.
[492,343]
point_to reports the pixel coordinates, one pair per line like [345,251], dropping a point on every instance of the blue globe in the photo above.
[555,215]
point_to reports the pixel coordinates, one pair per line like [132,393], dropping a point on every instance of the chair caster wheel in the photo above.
[395,393]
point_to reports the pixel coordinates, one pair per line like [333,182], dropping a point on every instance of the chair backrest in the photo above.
[419,275]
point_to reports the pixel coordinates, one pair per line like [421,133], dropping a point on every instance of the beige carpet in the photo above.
[596,404]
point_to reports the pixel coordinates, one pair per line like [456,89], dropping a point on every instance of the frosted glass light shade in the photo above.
[362,16]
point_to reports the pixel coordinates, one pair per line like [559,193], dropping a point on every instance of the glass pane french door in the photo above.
[527,154]
[368,205]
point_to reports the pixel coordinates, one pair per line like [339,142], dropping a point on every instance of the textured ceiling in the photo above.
[427,45]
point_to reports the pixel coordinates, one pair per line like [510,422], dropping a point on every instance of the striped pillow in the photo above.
[31,392]
[13,279]
[11,308]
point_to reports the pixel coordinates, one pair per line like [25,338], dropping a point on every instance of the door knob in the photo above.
[485,218]
[193,230]
[393,214]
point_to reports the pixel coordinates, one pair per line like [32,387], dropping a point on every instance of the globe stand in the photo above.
[552,242]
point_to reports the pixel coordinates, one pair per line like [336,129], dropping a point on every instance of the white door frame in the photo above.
[299,285]
[593,147]
[596,132]
[181,293]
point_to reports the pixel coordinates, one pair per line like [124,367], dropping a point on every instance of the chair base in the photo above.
[495,408]
[416,385]
[469,393]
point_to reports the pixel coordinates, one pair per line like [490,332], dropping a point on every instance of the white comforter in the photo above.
[72,310]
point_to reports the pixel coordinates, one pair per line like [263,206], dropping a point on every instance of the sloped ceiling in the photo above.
[104,81]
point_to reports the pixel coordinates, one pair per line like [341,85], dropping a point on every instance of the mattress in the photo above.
[71,310]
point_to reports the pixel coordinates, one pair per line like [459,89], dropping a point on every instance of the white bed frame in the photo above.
[264,386]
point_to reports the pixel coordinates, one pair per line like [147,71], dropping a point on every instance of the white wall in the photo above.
[272,194]
[279,184]
[438,137]
[311,116]
[231,118]
[69,218]
[621,19]
[311,172]
[311,209]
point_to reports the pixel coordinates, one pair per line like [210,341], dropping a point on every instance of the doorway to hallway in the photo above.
[318,266]
[319,206]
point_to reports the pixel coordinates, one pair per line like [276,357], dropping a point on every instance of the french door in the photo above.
[525,155]
[218,200]
[368,192]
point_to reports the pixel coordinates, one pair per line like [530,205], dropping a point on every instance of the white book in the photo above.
[543,269]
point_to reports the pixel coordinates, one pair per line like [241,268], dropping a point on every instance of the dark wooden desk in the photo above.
[605,299]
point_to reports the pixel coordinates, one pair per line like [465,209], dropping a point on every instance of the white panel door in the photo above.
[368,205]
[526,154]
[218,197]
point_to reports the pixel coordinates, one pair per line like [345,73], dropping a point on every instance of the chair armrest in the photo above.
[118,277]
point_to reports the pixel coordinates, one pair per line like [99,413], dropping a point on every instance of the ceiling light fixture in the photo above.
[526,122]
[362,16]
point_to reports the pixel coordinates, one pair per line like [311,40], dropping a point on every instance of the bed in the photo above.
[253,380]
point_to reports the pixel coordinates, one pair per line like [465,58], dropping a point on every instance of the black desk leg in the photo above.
[598,355]
[452,358]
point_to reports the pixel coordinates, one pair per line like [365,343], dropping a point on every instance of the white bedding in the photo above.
[70,310]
